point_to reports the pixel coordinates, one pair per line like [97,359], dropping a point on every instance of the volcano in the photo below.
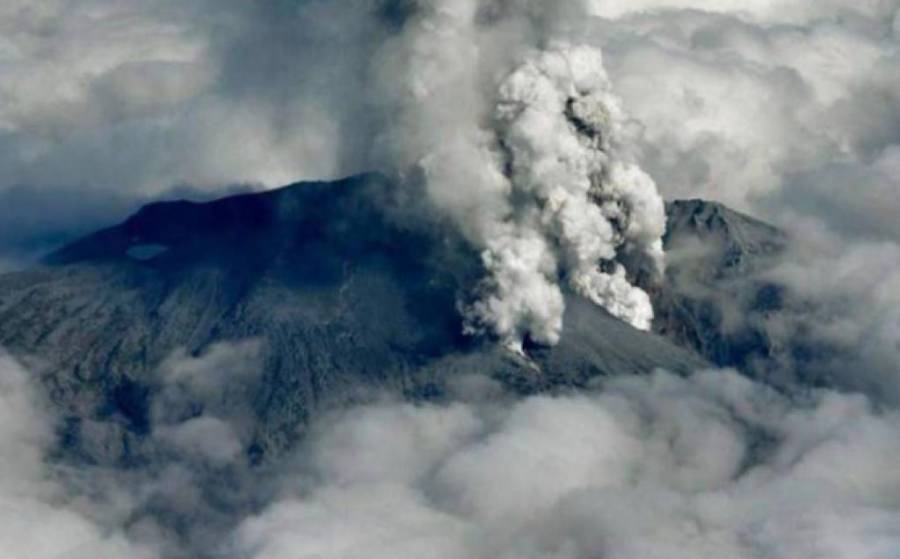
[344,297]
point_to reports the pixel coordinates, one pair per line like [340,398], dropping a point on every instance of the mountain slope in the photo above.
[342,297]
[716,298]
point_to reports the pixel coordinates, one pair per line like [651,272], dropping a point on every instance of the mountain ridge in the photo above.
[343,297]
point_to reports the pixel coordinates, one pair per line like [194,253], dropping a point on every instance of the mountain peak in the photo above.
[180,222]
[731,240]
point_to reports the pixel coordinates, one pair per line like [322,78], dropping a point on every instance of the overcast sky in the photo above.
[768,105]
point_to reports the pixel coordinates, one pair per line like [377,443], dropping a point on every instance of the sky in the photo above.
[747,102]
[788,110]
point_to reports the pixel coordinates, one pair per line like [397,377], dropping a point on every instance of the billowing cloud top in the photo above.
[713,465]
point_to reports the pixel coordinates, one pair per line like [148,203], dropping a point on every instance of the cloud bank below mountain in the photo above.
[712,465]
[709,466]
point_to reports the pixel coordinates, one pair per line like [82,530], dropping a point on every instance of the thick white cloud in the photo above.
[73,499]
[732,106]
[733,96]
[38,517]
[712,465]
[132,95]
[709,466]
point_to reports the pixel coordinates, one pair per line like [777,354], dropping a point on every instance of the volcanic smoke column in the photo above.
[523,153]
[556,122]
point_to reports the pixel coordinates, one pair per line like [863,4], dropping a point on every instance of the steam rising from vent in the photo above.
[518,146]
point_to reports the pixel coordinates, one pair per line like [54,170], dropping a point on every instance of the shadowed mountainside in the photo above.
[342,298]
[716,298]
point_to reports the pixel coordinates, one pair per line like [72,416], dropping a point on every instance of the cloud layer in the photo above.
[709,466]
[133,95]
[734,97]
[40,518]
[712,465]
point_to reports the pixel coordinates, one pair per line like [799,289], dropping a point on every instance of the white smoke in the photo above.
[558,119]
[521,150]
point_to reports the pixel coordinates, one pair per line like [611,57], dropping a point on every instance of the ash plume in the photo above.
[517,136]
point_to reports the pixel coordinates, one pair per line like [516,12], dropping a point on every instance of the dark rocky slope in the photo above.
[342,297]
[716,298]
